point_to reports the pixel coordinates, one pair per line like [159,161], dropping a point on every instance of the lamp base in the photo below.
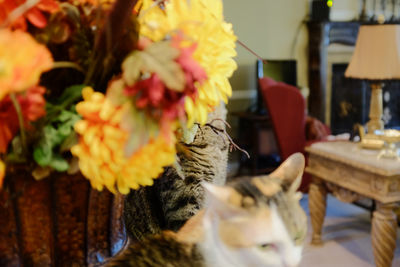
[375,109]
[363,15]
[373,125]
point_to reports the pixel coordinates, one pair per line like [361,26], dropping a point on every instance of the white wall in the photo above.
[270,28]
[345,10]
[346,4]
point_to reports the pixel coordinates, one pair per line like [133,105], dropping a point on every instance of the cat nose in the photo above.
[291,261]
[292,257]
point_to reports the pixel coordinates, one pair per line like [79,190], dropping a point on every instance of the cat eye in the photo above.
[267,246]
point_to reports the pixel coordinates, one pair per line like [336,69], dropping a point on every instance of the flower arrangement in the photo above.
[103,86]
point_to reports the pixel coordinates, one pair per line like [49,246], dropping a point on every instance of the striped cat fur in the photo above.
[174,199]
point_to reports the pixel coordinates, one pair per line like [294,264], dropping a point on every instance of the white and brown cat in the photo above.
[256,221]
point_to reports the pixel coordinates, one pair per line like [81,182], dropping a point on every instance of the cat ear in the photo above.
[221,199]
[291,171]
[217,193]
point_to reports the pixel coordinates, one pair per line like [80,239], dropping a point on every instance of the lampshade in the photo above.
[377,53]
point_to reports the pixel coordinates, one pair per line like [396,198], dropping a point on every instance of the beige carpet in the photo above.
[346,236]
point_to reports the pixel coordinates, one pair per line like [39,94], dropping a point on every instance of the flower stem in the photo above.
[18,12]
[20,120]
[67,64]
[107,40]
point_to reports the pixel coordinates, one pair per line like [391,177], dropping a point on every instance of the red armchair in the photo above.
[287,110]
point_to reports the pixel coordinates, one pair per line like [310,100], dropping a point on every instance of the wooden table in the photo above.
[349,172]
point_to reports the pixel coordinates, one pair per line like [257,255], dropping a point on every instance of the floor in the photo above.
[346,236]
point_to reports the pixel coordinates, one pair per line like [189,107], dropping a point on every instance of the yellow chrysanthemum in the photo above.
[22,61]
[101,148]
[201,21]
[2,173]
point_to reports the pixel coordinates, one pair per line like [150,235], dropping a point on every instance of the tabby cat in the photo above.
[256,221]
[177,195]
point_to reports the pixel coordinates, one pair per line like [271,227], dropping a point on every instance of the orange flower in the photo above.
[101,148]
[32,105]
[104,3]
[34,15]
[2,173]
[22,61]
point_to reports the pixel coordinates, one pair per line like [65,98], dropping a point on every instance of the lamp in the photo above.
[363,14]
[376,58]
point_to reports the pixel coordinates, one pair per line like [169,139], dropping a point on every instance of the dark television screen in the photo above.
[279,70]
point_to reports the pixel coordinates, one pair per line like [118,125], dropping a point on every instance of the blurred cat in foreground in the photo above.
[255,221]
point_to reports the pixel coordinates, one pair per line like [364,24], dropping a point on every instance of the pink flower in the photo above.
[160,102]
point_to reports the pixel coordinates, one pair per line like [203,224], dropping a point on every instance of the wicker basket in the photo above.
[58,221]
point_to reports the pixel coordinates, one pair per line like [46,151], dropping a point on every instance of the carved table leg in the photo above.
[384,227]
[317,206]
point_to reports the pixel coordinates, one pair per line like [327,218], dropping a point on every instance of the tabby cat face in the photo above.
[259,221]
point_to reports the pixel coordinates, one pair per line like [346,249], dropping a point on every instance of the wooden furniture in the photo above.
[252,126]
[350,172]
[321,36]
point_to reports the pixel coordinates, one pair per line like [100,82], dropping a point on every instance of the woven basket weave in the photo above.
[58,221]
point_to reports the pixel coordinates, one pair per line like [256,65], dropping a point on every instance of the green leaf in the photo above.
[131,68]
[51,136]
[43,154]
[160,58]
[140,129]
[65,122]
[115,92]
[65,115]
[55,139]
[189,134]
[156,58]
[64,131]
[51,111]
[70,95]
[59,164]
[64,103]
[69,142]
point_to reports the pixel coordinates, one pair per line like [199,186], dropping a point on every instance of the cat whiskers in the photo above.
[223,133]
